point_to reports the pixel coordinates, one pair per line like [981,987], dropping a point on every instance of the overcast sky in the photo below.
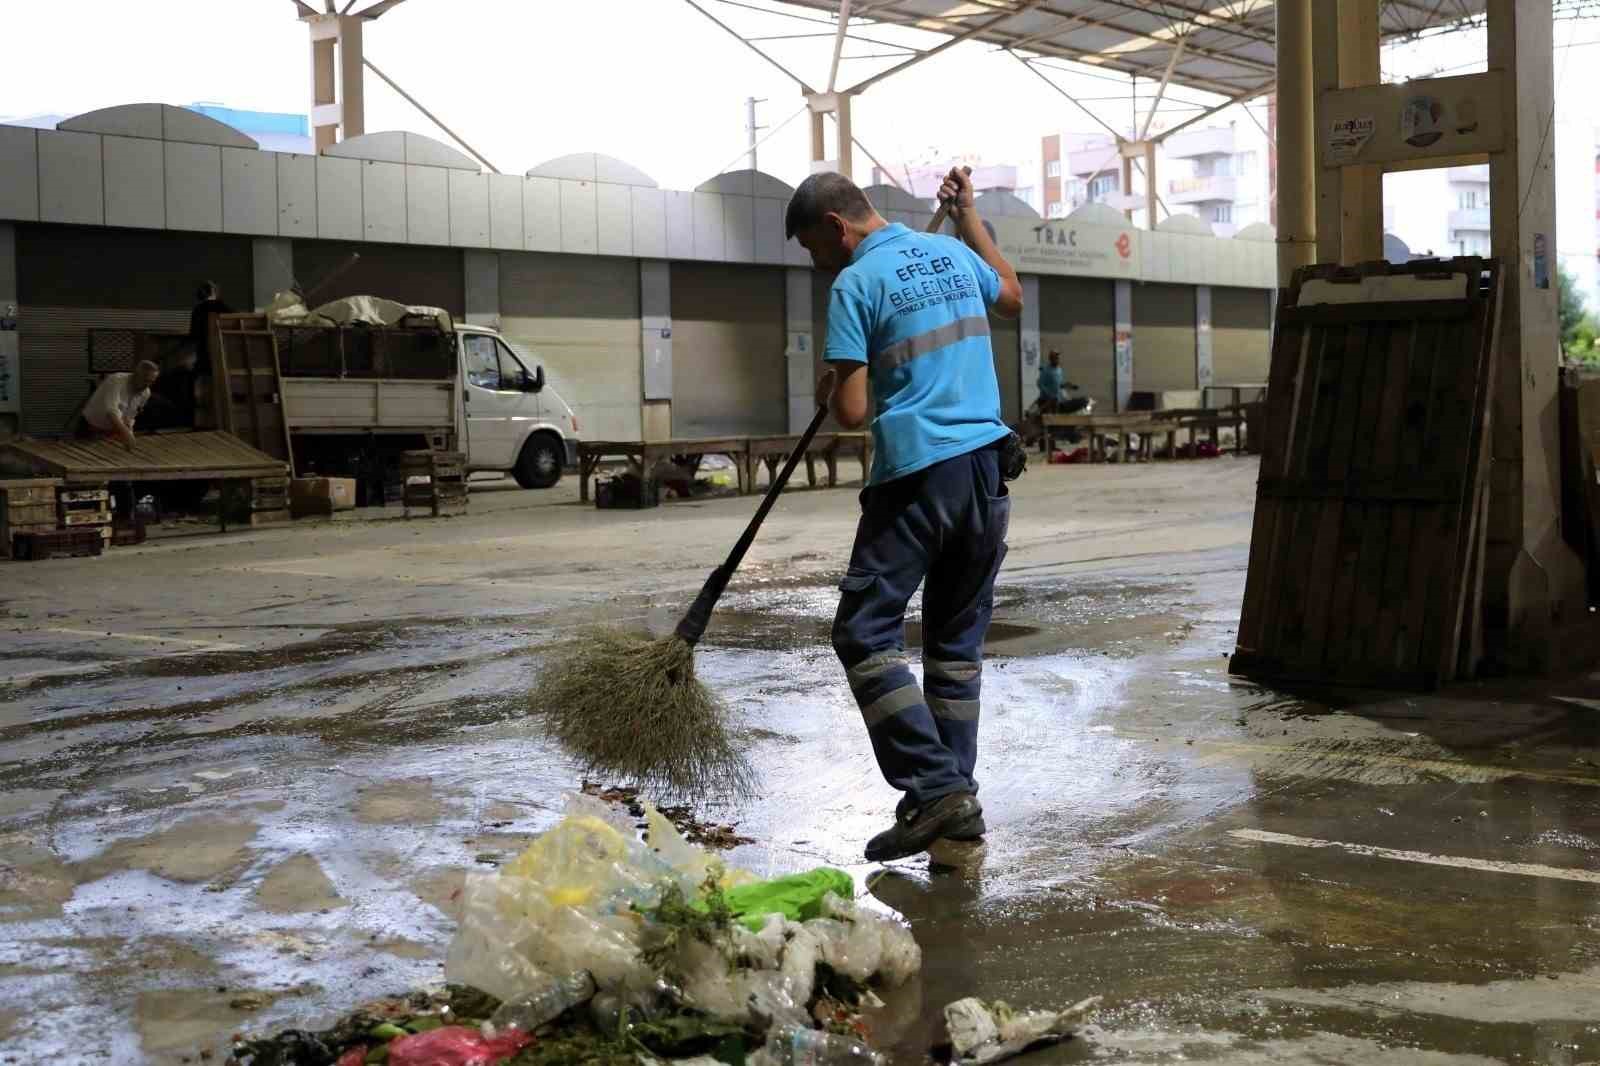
[652,82]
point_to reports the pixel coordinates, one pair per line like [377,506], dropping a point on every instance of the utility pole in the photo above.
[750,126]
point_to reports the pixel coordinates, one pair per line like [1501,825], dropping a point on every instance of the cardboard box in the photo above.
[321,495]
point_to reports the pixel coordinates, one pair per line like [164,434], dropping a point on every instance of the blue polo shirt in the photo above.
[914,307]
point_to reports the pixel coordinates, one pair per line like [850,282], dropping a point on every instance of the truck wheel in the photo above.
[539,465]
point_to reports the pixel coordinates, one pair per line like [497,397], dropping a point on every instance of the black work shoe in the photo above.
[972,829]
[915,829]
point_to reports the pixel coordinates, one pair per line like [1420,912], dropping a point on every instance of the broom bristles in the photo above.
[629,707]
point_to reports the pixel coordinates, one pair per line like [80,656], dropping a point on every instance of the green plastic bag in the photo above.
[797,897]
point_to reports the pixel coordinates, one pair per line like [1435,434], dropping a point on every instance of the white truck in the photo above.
[356,396]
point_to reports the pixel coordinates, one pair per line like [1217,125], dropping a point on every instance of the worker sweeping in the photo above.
[909,310]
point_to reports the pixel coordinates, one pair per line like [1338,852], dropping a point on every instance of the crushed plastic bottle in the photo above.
[792,1045]
[545,1004]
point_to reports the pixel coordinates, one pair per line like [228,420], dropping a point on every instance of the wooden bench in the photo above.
[644,455]
[1098,427]
[1210,419]
[773,451]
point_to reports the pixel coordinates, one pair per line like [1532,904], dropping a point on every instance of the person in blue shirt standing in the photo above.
[909,311]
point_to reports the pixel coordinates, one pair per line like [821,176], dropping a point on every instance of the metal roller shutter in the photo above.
[1075,319]
[432,277]
[1163,337]
[580,316]
[728,337]
[71,280]
[54,345]
[1240,335]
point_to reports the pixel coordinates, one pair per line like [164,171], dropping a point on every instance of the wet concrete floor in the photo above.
[241,779]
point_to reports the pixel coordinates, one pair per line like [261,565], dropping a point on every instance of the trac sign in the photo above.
[1074,248]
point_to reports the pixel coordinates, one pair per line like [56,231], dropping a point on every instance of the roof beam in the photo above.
[1155,105]
[804,88]
[966,34]
[1072,99]
[1202,116]
[1157,38]
[838,43]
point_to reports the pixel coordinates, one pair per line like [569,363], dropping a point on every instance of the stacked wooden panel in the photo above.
[246,391]
[1366,552]
[268,500]
[27,505]
[435,480]
[85,509]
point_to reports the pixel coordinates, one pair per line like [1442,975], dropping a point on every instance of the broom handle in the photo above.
[693,624]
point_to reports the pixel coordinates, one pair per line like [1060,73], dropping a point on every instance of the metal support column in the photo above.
[1028,350]
[10,352]
[799,351]
[481,272]
[1150,197]
[1533,583]
[655,322]
[1296,205]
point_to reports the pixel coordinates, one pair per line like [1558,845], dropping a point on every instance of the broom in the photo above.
[631,707]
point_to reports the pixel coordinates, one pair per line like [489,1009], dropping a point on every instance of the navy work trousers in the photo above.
[946,524]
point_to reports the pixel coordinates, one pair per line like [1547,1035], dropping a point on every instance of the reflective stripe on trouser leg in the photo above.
[953,688]
[905,736]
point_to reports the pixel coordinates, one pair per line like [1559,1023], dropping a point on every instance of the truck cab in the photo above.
[512,419]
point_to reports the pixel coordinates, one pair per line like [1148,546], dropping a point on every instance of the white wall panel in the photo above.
[19,173]
[70,178]
[580,217]
[769,230]
[710,227]
[383,201]
[739,228]
[649,223]
[249,191]
[505,211]
[614,219]
[297,195]
[541,215]
[469,209]
[680,225]
[338,198]
[135,177]
[427,205]
[194,187]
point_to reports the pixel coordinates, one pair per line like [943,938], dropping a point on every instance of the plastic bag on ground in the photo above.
[982,1033]
[587,896]
[456,1045]
[860,943]
[797,897]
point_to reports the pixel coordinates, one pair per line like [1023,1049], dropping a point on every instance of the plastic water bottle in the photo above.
[796,1046]
[544,1004]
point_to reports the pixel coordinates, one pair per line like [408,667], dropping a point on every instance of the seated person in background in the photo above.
[1052,385]
[116,404]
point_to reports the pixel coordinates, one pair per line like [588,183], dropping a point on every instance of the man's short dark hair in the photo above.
[825,194]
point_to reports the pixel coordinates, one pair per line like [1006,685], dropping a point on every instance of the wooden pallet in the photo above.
[444,491]
[268,494]
[49,545]
[247,384]
[27,505]
[1370,511]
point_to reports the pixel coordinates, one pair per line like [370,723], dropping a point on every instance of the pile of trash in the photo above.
[597,948]
[661,937]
